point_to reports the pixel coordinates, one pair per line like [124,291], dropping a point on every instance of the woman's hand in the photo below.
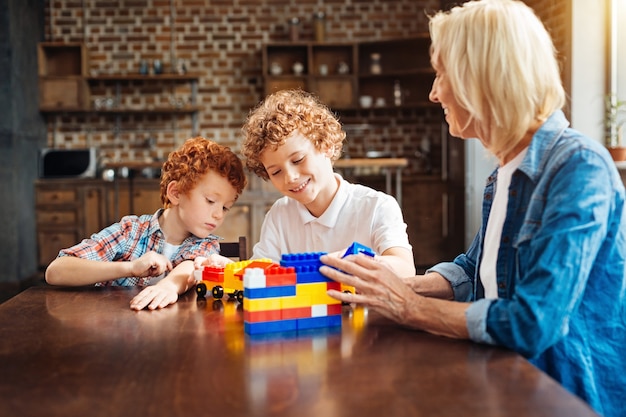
[376,286]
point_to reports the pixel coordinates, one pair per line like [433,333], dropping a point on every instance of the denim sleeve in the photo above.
[461,272]
[476,316]
[564,226]
[461,284]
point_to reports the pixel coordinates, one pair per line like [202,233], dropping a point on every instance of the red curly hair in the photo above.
[194,159]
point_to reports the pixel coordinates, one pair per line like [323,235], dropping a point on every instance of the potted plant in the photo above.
[614,127]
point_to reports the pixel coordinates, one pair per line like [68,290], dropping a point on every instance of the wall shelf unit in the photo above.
[340,73]
[65,88]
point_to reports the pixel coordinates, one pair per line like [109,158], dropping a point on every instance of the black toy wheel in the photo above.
[343,303]
[201,289]
[239,296]
[218,292]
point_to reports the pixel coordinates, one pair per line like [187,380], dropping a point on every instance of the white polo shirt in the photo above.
[356,214]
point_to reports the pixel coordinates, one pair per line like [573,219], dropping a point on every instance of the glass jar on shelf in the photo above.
[375,67]
[319,26]
[397,93]
[294,29]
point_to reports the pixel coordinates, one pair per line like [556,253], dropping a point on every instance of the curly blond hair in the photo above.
[278,116]
[194,159]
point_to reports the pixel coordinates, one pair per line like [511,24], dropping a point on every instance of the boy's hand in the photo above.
[200,262]
[150,264]
[155,296]
[213,260]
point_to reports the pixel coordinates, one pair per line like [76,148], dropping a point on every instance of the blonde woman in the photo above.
[545,275]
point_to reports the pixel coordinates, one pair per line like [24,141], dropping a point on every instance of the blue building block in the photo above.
[357,248]
[302,259]
[307,274]
[270,292]
[270,326]
[316,322]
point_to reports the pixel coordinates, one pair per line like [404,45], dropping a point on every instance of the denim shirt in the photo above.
[560,268]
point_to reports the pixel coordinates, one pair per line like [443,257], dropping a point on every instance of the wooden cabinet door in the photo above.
[146,199]
[93,209]
[138,196]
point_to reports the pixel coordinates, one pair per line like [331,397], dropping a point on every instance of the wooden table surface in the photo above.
[83,352]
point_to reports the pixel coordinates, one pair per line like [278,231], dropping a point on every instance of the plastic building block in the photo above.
[269,292]
[262,304]
[289,297]
[254,278]
[354,249]
[301,259]
[315,322]
[357,248]
[280,276]
[270,326]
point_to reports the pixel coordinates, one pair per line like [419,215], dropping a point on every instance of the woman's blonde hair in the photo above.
[502,67]
[278,116]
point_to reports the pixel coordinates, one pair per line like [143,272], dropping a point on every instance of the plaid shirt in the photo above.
[132,237]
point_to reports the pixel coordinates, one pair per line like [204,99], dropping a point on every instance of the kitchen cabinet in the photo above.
[62,68]
[132,196]
[66,212]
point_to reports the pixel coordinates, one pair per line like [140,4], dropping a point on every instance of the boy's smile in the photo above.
[300,171]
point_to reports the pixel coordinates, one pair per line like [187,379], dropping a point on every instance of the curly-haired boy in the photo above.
[200,182]
[293,140]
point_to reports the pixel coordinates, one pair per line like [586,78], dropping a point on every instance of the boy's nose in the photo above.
[218,213]
[291,175]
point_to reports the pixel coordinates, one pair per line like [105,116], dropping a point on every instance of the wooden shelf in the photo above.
[156,110]
[406,61]
[190,76]
[61,59]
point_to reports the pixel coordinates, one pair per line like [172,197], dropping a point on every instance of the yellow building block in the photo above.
[296,301]
[262,304]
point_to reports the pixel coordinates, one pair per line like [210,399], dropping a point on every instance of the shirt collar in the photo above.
[154,222]
[543,141]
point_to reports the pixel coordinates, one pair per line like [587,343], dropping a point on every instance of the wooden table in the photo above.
[83,352]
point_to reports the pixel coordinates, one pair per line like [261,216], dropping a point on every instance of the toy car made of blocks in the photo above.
[226,280]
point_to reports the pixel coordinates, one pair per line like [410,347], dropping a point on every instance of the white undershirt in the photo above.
[493,234]
[169,251]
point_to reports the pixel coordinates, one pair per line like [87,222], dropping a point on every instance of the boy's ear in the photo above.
[172,192]
[328,151]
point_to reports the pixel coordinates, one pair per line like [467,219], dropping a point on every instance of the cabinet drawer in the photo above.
[56,196]
[56,218]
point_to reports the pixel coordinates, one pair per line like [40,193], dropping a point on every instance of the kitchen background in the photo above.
[221,42]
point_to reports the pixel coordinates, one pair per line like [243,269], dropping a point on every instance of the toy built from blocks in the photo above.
[279,298]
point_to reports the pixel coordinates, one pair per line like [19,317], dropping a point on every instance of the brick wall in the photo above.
[222,40]
[557,17]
